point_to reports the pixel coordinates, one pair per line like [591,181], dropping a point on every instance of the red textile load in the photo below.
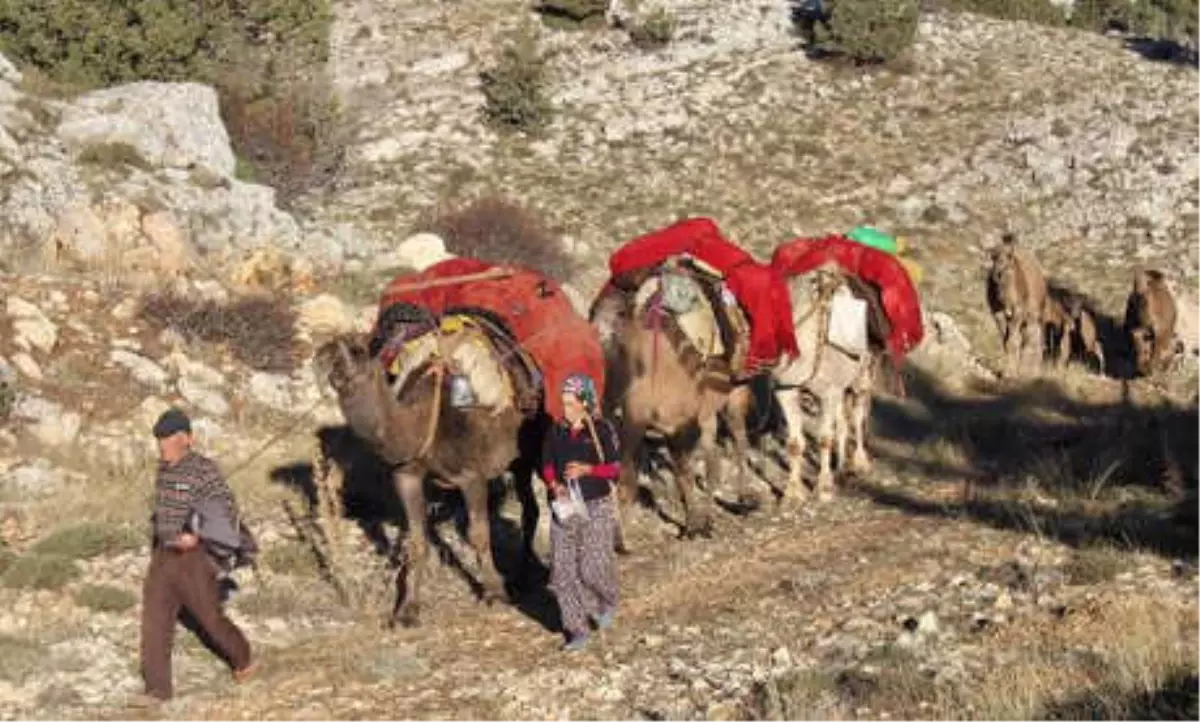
[761,292]
[897,293]
[533,308]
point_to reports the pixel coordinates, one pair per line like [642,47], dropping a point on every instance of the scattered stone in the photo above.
[422,251]
[143,370]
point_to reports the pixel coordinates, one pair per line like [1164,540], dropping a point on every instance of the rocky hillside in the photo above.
[1018,549]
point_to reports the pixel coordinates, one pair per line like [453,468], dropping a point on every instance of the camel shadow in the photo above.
[1143,456]
[369,499]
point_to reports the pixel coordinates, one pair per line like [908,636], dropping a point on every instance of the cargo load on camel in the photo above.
[518,336]
[702,275]
[901,327]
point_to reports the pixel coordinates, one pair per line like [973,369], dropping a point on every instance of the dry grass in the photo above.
[19,658]
[500,230]
[89,540]
[258,331]
[105,598]
[1106,664]
[40,571]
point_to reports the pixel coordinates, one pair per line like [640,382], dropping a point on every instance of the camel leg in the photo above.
[1099,353]
[859,412]
[475,492]
[633,439]
[841,427]
[409,487]
[789,402]
[831,408]
[698,520]
[1064,347]
[1005,326]
[1031,339]
[739,408]
[860,461]
[523,485]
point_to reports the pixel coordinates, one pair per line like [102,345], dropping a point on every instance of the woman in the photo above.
[581,464]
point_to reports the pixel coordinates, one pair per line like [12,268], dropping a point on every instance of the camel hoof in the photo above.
[407,618]
[493,594]
[700,527]
[825,495]
[861,464]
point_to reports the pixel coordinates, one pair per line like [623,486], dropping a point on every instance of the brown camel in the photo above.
[1068,320]
[420,434]
[1016,294]
[1150,318]
[654,392]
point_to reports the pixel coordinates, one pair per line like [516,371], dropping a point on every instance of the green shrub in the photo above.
[40,571]
[514,89]
[874,31]
[655,30]
[89,540]
[105,598]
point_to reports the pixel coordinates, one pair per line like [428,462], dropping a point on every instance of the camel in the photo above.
[1150,319]
[414,425]
[1068,319]
[840,378]
[1016,294]
[654,392]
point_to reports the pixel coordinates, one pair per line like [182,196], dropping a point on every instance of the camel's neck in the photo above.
[397,431]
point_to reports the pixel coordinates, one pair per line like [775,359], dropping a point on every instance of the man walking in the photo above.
[182,576]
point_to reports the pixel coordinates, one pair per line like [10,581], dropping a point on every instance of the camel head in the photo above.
[358,380]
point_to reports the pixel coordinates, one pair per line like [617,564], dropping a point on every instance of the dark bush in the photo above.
[259,330]
[579,12]
[514,89]
[501,231]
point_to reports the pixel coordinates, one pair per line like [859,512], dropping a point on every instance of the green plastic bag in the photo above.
[874,238]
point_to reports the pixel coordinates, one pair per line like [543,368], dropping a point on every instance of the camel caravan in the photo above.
[1039,319]
[458,382]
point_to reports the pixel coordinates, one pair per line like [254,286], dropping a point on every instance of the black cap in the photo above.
[172,422]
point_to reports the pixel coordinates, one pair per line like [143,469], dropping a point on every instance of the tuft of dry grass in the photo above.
[105,598]
[40,571]
[19,658]
[259,331]
[88,540]
[499,230]
[113,156]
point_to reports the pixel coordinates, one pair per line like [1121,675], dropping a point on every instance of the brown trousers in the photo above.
[184,582]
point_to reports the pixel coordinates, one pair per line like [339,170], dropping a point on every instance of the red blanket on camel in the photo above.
[761,292]
[533,308]
[897,293]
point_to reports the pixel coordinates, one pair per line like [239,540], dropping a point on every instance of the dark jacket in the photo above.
[565,444]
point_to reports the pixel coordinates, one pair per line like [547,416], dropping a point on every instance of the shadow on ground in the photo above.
[1176,698]
[1119,471]
[370,500]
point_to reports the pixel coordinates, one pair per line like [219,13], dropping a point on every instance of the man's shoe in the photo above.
[245,673]
[604,620]
[146,700]
[577,643]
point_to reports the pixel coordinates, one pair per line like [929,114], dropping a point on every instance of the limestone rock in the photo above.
[169,125]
